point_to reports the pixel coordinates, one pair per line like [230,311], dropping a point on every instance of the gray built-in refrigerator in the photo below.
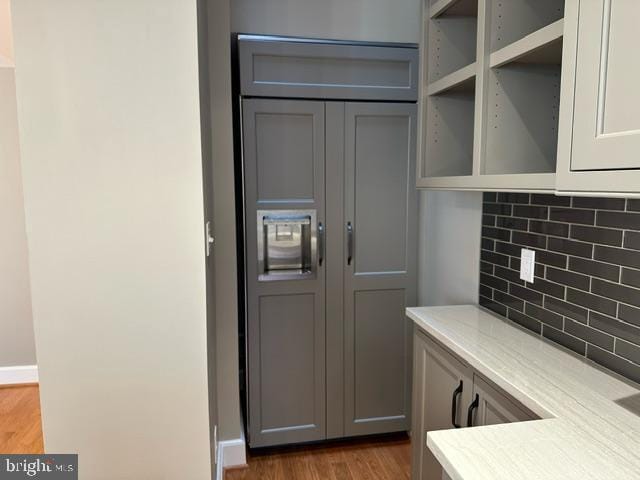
[328,150]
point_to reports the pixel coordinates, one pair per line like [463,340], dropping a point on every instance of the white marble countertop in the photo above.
[590,427]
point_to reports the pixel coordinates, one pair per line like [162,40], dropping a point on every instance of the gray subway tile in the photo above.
[629,314]
[548,288]
[508,300]
[606,236]
[592,302]
[527,211]
[486,267]
[567,341]
[489,196]
[525,321]
[594,269]
[549,228]
[615,327]
[588,334]
[512,223]
[493,257]
[624,220]
[566,309]
[525,294]
[511,197]
[632,278]
[551,258]
[570,279]
[496,233]
[598,203]
[614,363]
[493,306]
[486,291]
[547,199]
[618,256]
[633,204]
[493,282]
[632,240]
[489,220]
[529,240]
[572,215]
[578,249]
[487,244]
[496,209]
[508,274]
[628,350]
[616,291]
[545,316]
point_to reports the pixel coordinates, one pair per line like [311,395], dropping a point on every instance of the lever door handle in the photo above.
[454,404]
[349,243]
[320,243]
[472,407]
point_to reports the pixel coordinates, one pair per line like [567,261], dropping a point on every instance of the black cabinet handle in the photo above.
[349,243]
[472,407]
[320,243]
[454,404]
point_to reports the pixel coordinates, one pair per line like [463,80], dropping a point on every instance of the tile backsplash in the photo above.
[586,291]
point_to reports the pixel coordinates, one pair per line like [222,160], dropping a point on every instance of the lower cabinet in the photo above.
[447,394]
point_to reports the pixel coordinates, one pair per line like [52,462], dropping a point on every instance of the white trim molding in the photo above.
[231,453]
[18,375]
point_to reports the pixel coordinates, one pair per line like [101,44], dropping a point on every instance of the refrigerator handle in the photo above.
[320,244]
[349,243]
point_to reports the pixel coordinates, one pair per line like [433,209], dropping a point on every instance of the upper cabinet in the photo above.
[535,95]
[491,94]
[600,114]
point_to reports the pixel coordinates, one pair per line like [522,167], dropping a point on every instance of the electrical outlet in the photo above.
[527,264]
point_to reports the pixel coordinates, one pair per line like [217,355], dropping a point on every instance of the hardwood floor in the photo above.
[20,423]
[381,458]
[370,459]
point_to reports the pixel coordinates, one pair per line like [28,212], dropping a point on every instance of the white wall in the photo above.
[6,36]
[110,138]
[367,20]
[449,247]
[17,345]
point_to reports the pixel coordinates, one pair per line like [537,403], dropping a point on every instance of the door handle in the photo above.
[349,243]
[320,243]
[454,404]
[472,407]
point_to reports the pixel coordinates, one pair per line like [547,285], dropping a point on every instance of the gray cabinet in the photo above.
[379,268]
[491,407]
[599,123]
[284,153]
[329,355]
[442,387]
[447,393]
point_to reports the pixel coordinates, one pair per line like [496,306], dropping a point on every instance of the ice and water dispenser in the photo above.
[287,244]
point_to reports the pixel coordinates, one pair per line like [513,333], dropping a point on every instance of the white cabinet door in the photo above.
[600,98]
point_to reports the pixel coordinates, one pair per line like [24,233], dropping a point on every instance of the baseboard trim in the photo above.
[24,374]
[231,454]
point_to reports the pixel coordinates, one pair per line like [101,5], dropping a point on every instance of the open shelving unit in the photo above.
[449,105]
[489,118]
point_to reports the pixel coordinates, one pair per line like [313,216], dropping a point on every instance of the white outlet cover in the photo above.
[527,264]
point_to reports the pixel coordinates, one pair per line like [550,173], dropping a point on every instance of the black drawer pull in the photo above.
[454,404]
[472,407]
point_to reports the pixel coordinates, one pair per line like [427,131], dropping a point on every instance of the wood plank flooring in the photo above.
[20,423]
[381,458]
[371,459]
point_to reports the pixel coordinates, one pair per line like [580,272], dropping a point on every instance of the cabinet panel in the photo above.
[437,375]
[379,268]
[284,144]
[495,407]
[606,130]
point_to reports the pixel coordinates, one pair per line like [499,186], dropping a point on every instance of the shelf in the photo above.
[449,134]
[462,80]
[522,119]
[541,47]
[454,7]
[451,45]
[512,20]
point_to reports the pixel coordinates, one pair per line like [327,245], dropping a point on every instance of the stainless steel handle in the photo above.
[349,243]
[320,243]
